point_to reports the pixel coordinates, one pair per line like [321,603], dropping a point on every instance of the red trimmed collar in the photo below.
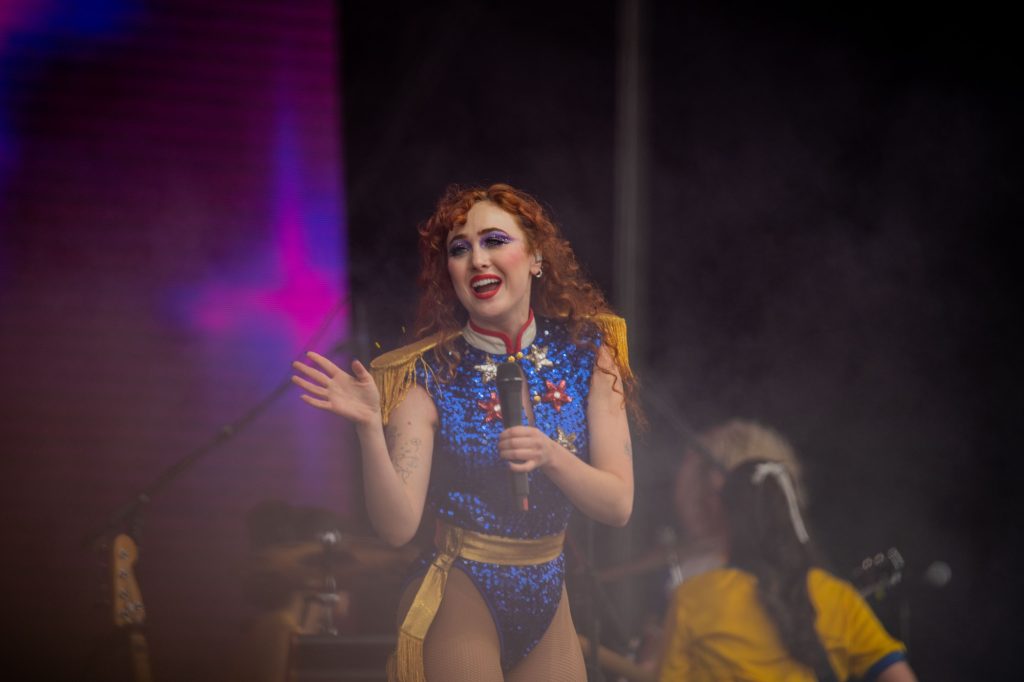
[510,347]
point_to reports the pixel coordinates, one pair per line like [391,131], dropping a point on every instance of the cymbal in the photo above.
[294,554]
[310,563]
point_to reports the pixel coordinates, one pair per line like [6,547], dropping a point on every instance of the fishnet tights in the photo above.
[462,643]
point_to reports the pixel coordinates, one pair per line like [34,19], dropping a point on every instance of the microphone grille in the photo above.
[938,574]
[509,371]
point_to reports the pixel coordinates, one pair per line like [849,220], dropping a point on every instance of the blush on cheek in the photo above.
[453,270]
[516,257]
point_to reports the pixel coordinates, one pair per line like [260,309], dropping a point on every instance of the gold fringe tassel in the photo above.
[406,663]
[613,333]
[394,372]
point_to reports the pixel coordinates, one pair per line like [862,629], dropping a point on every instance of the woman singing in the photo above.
[500,285]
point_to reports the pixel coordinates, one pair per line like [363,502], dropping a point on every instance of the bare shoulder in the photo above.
[416,409]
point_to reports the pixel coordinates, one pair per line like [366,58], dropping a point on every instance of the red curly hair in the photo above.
[564,292]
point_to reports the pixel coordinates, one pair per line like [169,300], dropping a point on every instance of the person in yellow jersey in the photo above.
[696,540]
[770,613]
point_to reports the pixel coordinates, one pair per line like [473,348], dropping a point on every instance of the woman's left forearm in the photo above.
[603,495]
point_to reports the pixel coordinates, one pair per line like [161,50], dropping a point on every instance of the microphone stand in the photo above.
[132,511]
[593,665]
[130,515]
[601,609]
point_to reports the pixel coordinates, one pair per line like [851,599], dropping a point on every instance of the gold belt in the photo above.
[406,665]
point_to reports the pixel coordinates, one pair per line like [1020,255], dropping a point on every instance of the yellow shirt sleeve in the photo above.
[864,637]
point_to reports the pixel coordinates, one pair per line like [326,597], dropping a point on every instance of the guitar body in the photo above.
[128,612]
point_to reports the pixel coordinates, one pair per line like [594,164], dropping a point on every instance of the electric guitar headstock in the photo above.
[128,610]
[878,573]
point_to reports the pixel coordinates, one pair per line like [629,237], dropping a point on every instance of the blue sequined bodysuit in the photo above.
[470,485]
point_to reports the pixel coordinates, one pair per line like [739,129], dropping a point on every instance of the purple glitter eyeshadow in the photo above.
[491,238]
[457,247]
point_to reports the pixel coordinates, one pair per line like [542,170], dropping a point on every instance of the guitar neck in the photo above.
[141,671]
[128,612]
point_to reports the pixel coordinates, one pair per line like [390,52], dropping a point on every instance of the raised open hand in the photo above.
[353,396]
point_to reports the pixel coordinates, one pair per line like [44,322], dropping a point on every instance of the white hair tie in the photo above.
[762,471]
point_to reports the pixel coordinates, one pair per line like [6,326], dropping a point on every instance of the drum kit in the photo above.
[323,572]
[322,576]
[315,591]
[310,587]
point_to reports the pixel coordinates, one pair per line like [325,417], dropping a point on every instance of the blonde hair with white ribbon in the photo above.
[779,473]
[736,441]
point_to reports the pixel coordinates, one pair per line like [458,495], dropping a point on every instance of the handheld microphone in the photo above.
[510,397]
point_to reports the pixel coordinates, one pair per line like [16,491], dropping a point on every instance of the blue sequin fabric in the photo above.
[470,484]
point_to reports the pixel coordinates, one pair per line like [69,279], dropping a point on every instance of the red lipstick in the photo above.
[484,286]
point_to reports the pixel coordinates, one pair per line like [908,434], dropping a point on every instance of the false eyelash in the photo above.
[457,248]
[496,239]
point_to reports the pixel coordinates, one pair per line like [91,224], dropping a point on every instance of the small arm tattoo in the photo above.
[404,452]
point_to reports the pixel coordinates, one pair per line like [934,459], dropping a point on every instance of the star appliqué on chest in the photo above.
[539,357]
[488,370]
[491,408]
[566,440]
[555,395]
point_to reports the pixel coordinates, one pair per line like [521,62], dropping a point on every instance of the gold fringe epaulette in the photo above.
[395,371]
[613,333]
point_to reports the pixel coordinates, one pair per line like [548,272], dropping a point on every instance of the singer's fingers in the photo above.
[521,451]
[309,386]
[523,432]
[311,372]
[329,368]
[521,437]
[316,402]
[522,466]
[359,371]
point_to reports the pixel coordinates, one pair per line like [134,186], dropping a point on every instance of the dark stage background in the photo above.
[187,189]
[831,202]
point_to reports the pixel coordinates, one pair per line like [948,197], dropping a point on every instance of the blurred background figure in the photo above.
[695,541]
[698,481]
[773,613]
